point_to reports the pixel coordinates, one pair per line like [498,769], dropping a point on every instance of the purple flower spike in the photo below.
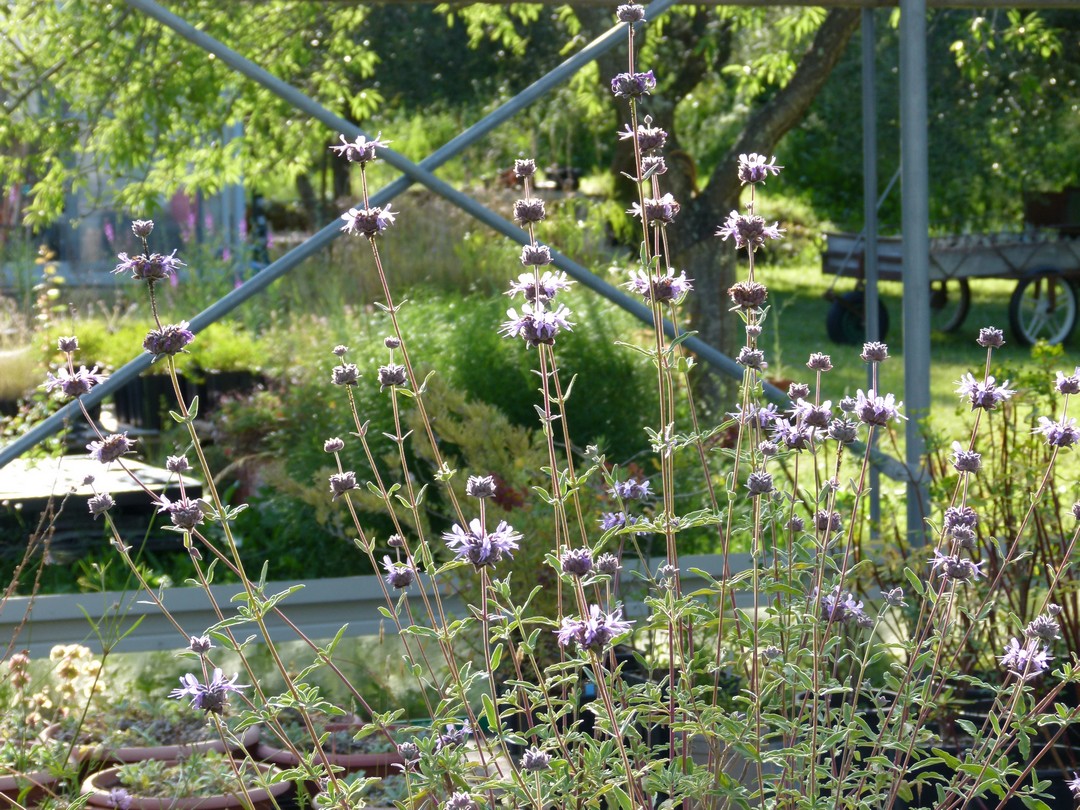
[842,608]
[529,211]
[100,504]
[342,482]
[659,211]
[361,150]
[73,384]
[168,340]
[536,325]
[399,575]
[985,394]
[154,267]
[990,338]
[481,486]
[956,567]
[633,85]
[754,168]
[525,167]
[460,801]
[632,490]
[595,632]
[1025,661]
[184,513]
[119,798]
[748,230]
[794,436]
[663,288]
[1069,384]
[576,561]
[535,255]
[482,549]
[550,285]
[964,460]
[111,447]
[872,409]
[210,697]
[630,13]
[1074,785]
[392,374]
[650,138]
[1058,434]
[759,483]
[367,222]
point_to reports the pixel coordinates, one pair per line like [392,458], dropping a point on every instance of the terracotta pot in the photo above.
[376,764]
[26,788]
[100,754]
[99,784]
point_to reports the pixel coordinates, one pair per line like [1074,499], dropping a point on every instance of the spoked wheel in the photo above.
[1043,307]
[846,320]
[950,300]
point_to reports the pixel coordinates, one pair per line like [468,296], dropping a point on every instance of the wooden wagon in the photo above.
[1045,265]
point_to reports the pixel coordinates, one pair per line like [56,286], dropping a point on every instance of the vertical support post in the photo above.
[915,210]
[870,223]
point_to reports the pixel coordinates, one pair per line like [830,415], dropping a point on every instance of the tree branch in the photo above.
[773,120]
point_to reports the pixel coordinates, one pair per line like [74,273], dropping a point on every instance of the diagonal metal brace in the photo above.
[413,172]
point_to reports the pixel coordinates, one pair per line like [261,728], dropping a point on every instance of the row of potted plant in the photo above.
[65,738]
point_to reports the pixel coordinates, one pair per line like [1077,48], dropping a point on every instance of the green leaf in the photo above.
[496,656]
[916,583]
[489,712]
[947,758]
[622,797]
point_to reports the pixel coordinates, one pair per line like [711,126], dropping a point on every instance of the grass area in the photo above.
[796,327]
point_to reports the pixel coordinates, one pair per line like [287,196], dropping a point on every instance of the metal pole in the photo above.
[870,223]
[915,210]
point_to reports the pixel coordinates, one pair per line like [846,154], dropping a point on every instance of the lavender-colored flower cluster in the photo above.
[749,231]
[367,222]
[539,290]
[537,326]
[150,268]
[661,288]
[362,150]
[595,632]
[479,547]
[211,697]
[168,340]
[73,383]
[633,85]
[659,211]
[985,394]
[1026,660]
[842,608]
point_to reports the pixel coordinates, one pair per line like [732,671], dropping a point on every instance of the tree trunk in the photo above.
[705,258]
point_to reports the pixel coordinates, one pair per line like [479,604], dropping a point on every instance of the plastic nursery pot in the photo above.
[90,754]
[99,785]
[377,763]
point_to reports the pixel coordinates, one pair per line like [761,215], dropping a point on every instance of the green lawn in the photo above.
[796,326]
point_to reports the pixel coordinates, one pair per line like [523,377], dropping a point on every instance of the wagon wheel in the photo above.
[1043,307]
[846,320]
[950,300]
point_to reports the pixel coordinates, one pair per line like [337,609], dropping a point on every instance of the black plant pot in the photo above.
[1055,767]
[218,384]
[145,402]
